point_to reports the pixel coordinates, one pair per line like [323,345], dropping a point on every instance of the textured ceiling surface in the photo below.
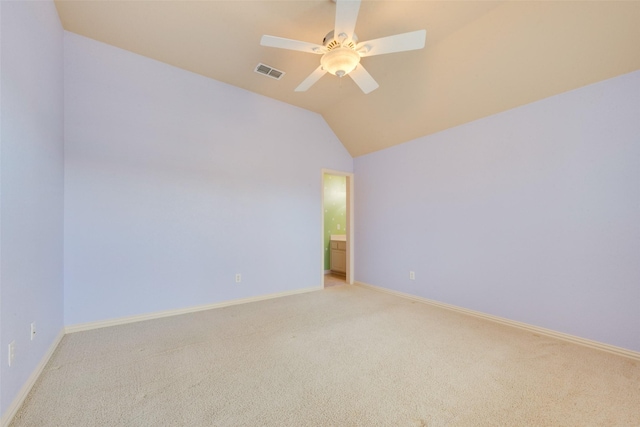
[480,58]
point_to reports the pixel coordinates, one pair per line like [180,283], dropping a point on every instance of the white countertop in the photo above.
[339,237]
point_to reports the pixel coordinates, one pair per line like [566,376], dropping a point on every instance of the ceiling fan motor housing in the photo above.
[331,42]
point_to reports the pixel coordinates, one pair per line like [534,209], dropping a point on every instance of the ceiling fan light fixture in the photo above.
[340,61]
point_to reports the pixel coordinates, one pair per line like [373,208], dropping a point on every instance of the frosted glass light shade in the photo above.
[340,61]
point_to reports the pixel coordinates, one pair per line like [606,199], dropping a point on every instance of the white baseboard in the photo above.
[7,417]
[327,272]
[156,315]
[531,328]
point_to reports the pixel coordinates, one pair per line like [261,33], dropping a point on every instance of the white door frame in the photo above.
[350,240]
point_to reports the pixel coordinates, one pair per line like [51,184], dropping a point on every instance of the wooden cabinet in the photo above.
[339,257]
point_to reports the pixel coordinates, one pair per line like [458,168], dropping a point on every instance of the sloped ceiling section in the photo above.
[481,57]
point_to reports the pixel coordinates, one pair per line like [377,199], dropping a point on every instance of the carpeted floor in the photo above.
[343,356]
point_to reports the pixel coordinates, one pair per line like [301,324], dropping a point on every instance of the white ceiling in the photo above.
[481,57]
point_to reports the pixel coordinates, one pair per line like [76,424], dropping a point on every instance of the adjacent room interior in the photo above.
[337,224]
[169,206]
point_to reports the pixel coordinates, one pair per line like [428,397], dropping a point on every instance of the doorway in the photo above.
[337,227]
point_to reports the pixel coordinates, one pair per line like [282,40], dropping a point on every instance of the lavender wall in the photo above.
[531,214]
[175,182]
[31,190]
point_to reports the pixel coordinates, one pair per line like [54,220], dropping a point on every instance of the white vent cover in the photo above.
[269,71]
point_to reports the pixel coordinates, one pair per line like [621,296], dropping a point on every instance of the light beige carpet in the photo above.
[343,356]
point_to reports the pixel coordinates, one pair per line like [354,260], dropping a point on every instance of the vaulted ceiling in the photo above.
[480,58]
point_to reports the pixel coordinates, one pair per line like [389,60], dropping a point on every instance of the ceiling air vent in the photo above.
[269,71]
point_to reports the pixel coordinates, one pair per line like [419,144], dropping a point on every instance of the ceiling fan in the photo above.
[341,51]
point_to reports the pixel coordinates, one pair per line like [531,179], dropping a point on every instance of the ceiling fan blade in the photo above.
[309,81]
[363,79]
[346,16]
[398,43]
[282,43]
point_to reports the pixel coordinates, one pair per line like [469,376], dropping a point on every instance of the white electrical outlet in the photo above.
[12,352]
[412,275]
[238,278]
[33,330]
